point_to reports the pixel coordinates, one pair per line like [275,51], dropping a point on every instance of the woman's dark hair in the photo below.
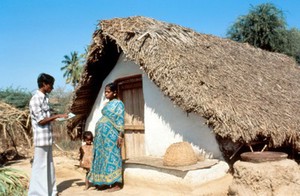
[45,78]
[87,134]
[112,86]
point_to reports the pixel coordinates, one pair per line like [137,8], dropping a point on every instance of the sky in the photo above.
[35,35]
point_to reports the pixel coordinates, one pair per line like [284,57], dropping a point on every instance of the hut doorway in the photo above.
[131,93]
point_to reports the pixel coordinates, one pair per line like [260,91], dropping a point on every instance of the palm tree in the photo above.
[85,54]
[72,68]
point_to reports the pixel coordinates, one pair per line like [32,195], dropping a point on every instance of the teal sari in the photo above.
[106,167]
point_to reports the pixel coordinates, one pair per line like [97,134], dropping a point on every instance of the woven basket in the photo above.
[180,154]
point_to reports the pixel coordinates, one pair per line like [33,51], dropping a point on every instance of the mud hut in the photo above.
[180,85]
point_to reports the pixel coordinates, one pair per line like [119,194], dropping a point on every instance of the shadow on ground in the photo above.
[66,184]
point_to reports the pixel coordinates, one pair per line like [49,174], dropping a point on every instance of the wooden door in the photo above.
[131,93]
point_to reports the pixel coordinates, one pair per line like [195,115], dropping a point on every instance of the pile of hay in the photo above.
[15,127]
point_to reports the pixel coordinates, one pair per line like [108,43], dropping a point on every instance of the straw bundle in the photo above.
[179,154]
[14,125]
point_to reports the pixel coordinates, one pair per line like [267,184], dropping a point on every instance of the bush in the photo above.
[13,181]
[18,98]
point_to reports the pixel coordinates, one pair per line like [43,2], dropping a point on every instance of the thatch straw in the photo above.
[14,124]
[242,91]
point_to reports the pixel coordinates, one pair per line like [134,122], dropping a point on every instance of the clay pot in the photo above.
[258,157]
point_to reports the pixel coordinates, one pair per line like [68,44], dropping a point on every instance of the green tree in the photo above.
[263,27]
[19,98]
[293,44]
[73,68]
[85,54]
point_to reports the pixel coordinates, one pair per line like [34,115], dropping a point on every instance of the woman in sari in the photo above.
[106,167]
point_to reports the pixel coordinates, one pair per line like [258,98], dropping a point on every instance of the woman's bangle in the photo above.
[120,137]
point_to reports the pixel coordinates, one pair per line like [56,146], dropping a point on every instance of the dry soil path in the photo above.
[70,182]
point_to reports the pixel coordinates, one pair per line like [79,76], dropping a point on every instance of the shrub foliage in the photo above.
[13,181]
[18,98]
[265,27]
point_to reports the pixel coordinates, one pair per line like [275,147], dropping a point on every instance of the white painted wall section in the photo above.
[166,124]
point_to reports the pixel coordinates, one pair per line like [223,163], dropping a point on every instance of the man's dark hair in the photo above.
[45,78]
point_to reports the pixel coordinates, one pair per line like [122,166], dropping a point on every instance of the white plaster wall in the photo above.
[164,123]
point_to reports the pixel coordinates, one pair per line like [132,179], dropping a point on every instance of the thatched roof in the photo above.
[242,91]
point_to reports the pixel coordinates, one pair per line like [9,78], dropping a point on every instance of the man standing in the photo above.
[42,182]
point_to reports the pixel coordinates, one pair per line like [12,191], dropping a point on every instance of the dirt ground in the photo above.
[70,181]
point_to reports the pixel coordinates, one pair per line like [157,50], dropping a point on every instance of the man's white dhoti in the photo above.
[42,183]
